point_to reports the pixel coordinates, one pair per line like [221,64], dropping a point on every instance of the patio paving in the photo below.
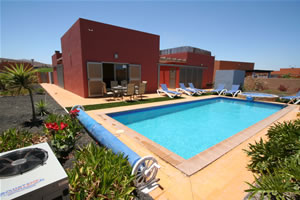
[222,179]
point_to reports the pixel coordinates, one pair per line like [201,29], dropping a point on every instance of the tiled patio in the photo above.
[222,179]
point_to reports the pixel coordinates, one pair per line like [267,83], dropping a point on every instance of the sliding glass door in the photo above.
[98,72]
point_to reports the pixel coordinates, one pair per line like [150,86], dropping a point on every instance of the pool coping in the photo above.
[202,159]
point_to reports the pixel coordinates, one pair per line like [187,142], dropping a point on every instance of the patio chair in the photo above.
[234,90]
[199,91]
[113,84]
[130,91]
[141,90]
[292,99]
[164,89]
[124,83]
[220,89]
[185,90]
[105,92]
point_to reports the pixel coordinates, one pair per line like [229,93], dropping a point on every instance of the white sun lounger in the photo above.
[164,89]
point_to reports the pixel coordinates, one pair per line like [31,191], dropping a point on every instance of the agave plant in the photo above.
[42,107]
[17,77]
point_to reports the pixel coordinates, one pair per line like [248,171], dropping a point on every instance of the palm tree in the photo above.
[19,78]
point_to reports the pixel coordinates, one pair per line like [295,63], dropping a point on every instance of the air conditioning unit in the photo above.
[32,173]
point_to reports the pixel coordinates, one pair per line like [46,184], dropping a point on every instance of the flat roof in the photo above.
[259,70]
[185,49]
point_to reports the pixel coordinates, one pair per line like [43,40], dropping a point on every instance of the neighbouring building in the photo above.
[292,72]
[232,65]
[186,64]
[7,62]
[43,77]
[94,52]
[259,73]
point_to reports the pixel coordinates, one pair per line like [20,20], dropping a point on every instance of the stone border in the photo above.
[204,158]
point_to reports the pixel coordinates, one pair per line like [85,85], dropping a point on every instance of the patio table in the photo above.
[119,90]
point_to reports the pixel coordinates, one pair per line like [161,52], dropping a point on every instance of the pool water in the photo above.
[190,128]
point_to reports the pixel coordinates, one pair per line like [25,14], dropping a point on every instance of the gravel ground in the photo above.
[16,111]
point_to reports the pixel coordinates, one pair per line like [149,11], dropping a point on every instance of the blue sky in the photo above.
[264,32]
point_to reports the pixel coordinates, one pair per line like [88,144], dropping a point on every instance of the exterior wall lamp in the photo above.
[116,56]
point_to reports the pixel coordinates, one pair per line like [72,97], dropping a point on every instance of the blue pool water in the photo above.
[189,128]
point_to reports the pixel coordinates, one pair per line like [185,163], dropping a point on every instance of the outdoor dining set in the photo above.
[130,90]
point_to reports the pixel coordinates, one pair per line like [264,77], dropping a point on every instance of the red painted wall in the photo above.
[133,47]
[71,44]
[206,61]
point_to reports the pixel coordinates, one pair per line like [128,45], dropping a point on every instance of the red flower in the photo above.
[74,112]
[52,126]
[63,125]
[55,127]
[48,125]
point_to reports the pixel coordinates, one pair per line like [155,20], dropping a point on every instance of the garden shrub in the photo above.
[282,88]
[40,90]
[13,139]
[63,132]
[98,173]
[276,162]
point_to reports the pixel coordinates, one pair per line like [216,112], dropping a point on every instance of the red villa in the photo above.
[93,52]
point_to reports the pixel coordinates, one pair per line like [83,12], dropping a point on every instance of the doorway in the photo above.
[108,73]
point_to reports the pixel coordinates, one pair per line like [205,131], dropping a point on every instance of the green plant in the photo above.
[14,139]
[40,90]
[277,162]
[42,107]
[63,132]
[283,183]
[20,78]
[283,142]
[286,75]
[100,174]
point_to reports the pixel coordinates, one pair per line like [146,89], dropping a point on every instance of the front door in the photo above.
[172,83]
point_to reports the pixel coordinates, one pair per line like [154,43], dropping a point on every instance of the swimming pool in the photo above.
[190,128]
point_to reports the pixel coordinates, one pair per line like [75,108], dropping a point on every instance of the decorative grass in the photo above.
[127,103]
[45,69]
[204,94]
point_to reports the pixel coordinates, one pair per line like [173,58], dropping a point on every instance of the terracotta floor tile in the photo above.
[222,179]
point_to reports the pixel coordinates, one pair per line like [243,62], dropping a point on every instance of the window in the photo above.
[121,72]
[134,72]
